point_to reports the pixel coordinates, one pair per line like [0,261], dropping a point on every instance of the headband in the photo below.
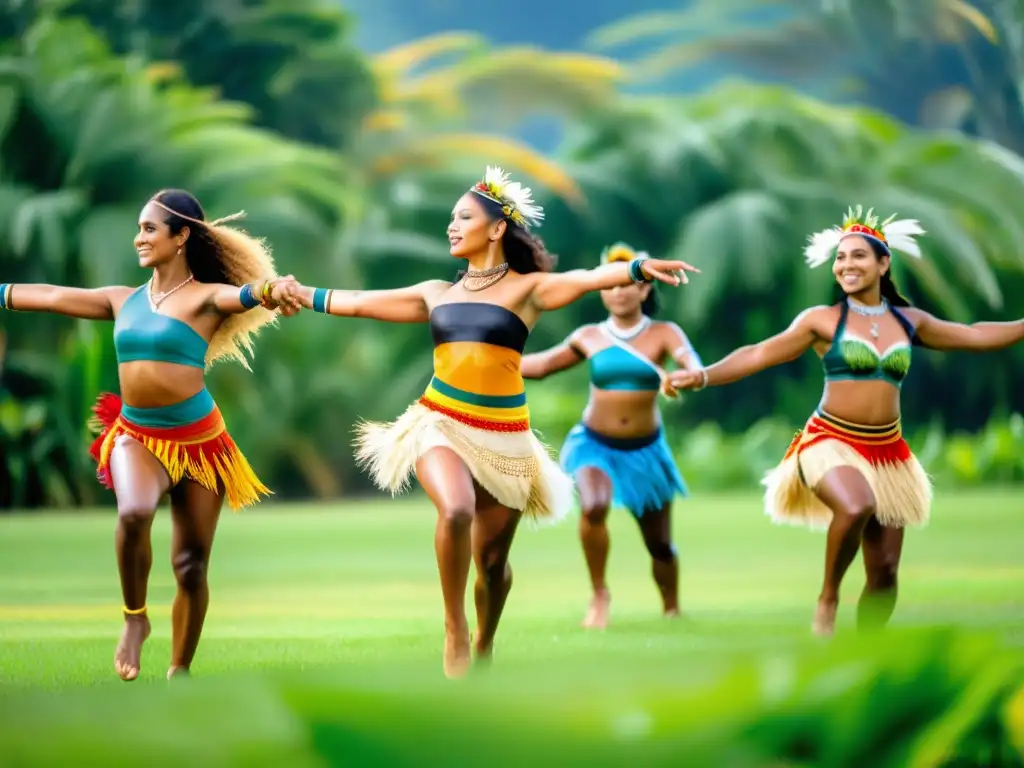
[214,223]
[516,201]
[892,234]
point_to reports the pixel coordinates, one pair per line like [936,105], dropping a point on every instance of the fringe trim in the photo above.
[902,490]
[517,469]
[214,460]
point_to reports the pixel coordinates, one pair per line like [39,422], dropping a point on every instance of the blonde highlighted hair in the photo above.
[220,254]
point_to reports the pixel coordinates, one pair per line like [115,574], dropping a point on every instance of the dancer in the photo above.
[468,438]
[850,468]
[202,304]
[619,451]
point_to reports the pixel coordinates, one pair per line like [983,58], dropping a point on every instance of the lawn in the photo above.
[349,592]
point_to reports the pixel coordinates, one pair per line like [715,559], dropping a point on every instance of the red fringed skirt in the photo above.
[203,452]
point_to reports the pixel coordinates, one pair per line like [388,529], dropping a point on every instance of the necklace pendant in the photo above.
[874,330]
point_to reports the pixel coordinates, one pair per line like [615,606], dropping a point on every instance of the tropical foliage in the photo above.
[960,63]
[349,165]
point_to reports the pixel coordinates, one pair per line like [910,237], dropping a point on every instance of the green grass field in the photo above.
[351,592]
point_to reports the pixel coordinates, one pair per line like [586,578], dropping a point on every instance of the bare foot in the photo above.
[177,672]
[597,613]
[672,613]
[456,654]
[128,656]
[824,624]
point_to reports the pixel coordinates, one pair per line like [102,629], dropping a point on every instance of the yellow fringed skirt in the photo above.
[201,451]
[512,465]
[902,489]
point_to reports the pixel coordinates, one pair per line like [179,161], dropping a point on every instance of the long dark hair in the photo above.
[524,251]
[888,288]
[652,304]
[202,252]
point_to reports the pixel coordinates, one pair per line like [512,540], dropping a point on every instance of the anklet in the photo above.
[136,612]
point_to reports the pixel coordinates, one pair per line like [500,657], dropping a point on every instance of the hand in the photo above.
[671,272]
[689,379]
[284,293]
[668,389]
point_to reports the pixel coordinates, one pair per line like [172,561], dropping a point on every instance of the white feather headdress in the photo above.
[516,201]
[894,234]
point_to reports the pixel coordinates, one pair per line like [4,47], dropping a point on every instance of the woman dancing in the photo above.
[202,304]
[619,450]
[468,438]
[850,469]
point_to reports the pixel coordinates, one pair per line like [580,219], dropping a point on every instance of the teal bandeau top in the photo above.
[141,333]
[617,368]
[852,358]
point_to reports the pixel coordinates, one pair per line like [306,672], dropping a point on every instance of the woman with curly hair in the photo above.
[849,470]
[208,296]
[468,439]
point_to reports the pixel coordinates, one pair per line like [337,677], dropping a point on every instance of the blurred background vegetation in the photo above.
[718,131]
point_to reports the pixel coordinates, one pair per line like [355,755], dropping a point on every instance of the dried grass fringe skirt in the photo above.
[902,489]
[516,468]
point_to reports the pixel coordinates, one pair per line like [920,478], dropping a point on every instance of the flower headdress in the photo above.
[893,234]
[620,252]
[516,201]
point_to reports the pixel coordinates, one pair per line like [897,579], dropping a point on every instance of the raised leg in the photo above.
[847,493]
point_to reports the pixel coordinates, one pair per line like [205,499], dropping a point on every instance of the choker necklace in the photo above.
[866,311]
[477,280]
[155,300]
[628,333]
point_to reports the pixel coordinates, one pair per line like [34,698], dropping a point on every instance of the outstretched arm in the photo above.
[232,300]
[554,290]
[399,305]
[751,359]
[540,365]
[82,303]
[681,350]
[977,337]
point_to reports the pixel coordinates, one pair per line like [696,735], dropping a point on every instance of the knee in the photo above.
[882,576]
[661,550]
[458,516]
[595,513]
[190,569]
[497,570]
[860,511]
[135,515]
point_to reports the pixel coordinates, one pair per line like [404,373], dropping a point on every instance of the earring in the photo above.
[179,250]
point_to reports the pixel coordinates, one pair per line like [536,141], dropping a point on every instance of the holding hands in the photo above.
[688,379]
[286,295]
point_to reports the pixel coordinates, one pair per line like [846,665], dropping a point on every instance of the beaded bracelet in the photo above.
[247,297]
[636,272]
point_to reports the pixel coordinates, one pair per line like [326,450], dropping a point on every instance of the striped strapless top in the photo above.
[478,350]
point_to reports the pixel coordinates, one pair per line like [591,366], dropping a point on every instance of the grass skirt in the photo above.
[513,466]
[643,473]
[902,489]
[203,452]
